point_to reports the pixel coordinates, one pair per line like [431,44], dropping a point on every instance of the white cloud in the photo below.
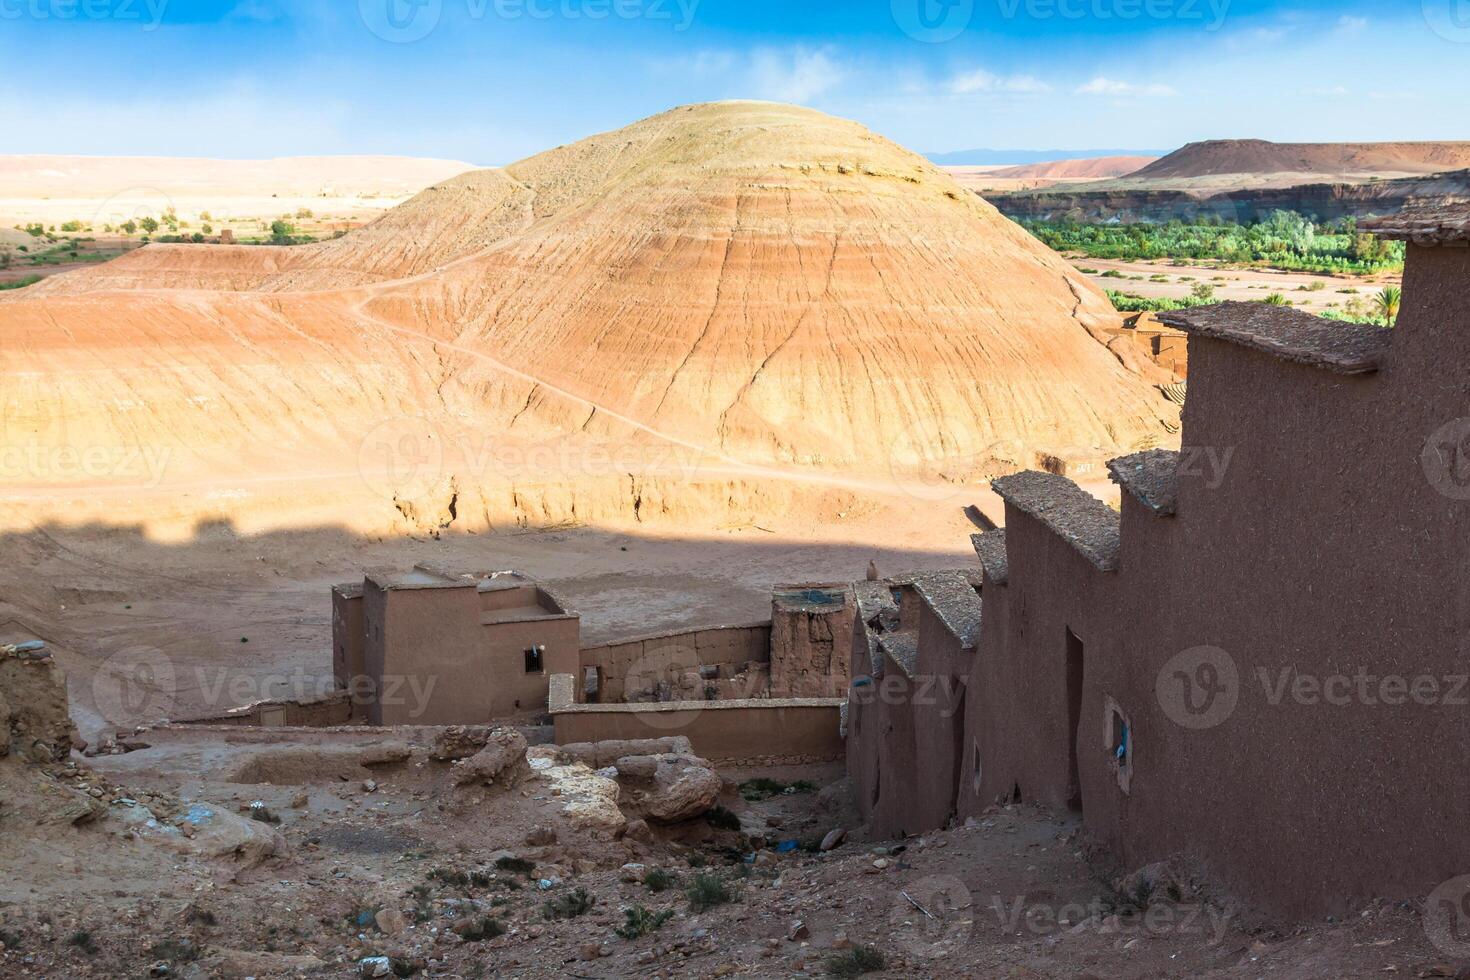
[263,11]
[980,80]
[1331,92]
[794,74]
[1101,85]
[1348,22]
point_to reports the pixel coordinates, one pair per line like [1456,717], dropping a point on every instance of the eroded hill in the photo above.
[716,297]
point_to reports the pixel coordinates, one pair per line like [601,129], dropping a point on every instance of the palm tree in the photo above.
[1388,304]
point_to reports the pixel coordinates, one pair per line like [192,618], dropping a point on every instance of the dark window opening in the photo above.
[976,750]
[1119,743]
[1074,719]
[534,663]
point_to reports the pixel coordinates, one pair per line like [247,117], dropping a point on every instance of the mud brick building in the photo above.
[425,647]
[913,647]
[1253,663]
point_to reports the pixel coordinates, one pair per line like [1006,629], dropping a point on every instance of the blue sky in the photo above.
[490,81]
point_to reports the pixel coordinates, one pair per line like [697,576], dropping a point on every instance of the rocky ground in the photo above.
[459,853]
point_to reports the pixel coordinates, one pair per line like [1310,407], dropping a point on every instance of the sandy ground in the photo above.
[1236,284]
[239,616]
[53,189]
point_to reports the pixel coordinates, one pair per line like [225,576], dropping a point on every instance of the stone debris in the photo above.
[501,762]
[599,755]
[461,742]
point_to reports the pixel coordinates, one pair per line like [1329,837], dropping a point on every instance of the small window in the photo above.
[535,660]
[1119,734]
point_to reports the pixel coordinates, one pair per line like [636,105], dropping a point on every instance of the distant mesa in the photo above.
[1248,180]
[1016,158]
[1216,157]
[1092,168]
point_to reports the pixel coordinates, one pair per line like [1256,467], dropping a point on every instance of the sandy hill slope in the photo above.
[1080,169]
[728,294]
[1215,157]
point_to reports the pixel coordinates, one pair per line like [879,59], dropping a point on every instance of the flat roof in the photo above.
[1086,523]
[415,578]
[953,599]
[1438,224]
[1152,478]
[502,581]
[873,598]
[1346,348]
[990,548]
[902,648]
[810,598]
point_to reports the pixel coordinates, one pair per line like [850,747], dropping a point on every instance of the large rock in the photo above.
[301,765]
[670,788]
[501,762]
[209,831]
[236,964]
[461,742]
[599,755]
[589,800]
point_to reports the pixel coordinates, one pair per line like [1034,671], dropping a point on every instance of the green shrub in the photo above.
[722,819]
[569,906]
[707,891]
[479,930]
[755,790]
[516,865]
[857,961]
[639,922]
[174,951]
[659,880]
[456,879]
